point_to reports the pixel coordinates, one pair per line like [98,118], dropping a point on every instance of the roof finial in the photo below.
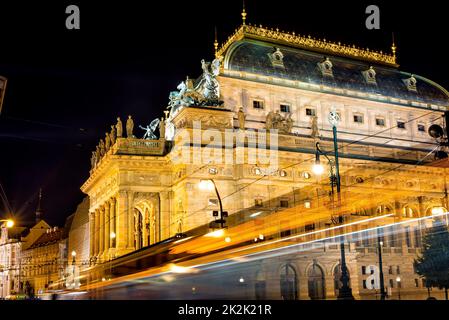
[216,43]
[244,13]
[393,47]
[39,210]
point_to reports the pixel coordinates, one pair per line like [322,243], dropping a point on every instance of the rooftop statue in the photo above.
[97,155]
[93,160]
[102,148]
[107,140]
[129,127]
[113,134]
[205,92]
[150,129]
[208,85]
[119,127]
[162,129]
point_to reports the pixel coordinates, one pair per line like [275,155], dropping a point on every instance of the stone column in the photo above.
[92,233]
[97,232]
[130,215]
[101,231]
[121,221]
[165,213]
[157,215]
[112,228]
[107,233]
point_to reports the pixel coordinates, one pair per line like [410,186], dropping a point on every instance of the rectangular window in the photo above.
[393,237]
[358,118]
[417,238]
[258,202]
[284,203]
[421,128]
[390,269]
[286,233]
[285,108]
[416,283]
[363,269]
[365,239]
[257,104]
[310,227]
[398,270]
[380,122]
[401,124]
[391,283]
[364,284]
[310,112]
[407,237]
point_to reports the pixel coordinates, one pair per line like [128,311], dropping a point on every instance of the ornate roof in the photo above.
[308,43]
[347,73]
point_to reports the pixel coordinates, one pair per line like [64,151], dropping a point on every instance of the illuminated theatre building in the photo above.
[141,193]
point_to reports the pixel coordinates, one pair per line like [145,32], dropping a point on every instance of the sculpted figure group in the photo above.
[117,132]
[275,120]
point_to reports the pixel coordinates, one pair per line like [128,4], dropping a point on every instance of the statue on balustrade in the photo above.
[119,127]
[129,127]
[93,160]
[314,128]
[102,148]
[162,128]
[150,129]
[113,135]
[241,116]
[97,155]
[107,140]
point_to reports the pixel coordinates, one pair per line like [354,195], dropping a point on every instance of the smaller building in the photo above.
[43,263]
[10,248]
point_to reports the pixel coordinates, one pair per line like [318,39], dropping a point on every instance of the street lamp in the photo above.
[381,273]
[345,291]
[398,281]
[9,223]
[209,185]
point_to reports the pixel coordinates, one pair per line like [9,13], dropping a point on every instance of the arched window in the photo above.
[337,279]
[316,282]
[260,286]
[289,283]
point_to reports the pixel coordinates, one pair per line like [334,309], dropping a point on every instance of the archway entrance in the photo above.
[289,283]
[316,283]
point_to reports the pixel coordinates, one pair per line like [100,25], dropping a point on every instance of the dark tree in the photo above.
[433,264]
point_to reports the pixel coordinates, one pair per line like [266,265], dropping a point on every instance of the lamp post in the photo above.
[398,281]
[381,273]
[209,184]
[345,291]
[9,223]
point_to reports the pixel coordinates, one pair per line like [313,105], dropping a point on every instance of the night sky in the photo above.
[66,87]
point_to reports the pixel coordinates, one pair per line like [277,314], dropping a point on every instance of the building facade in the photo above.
[268,88]
[44,262]
[10,250]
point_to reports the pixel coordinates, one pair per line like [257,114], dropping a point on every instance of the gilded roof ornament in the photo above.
[309,43]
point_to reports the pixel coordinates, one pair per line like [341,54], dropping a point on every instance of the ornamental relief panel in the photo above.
[207,121]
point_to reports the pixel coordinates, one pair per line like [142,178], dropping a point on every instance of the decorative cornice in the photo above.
[309,43]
